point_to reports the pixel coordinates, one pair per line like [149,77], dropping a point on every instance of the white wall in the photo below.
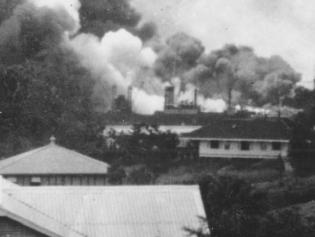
[235,151]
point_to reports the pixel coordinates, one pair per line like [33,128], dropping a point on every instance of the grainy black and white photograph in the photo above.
[157,118]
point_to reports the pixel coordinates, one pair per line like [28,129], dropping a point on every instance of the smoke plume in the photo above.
[234,74]
[120,50]
[36,26]
[114,59]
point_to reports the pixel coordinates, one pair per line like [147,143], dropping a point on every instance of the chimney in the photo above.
[169,97]
[195,98]
[114,92]
[129,97]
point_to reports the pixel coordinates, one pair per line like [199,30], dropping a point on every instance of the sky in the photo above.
[271,27]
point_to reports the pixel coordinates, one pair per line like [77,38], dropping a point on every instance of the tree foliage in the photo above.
[52,95]
[146,144]
[302,143]
[284,223]
[235,208]
[232,206]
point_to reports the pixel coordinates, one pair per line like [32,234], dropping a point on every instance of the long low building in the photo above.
[242,138]
[111,211]
[128,129]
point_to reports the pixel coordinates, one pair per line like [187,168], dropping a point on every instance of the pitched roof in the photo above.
[147,211]
[160,118]
[52,159]
[260,129]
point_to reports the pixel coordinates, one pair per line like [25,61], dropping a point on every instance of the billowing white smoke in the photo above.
[71,6]
[115,58]
[205,104]
[143,103]
[118,58]
[211,105]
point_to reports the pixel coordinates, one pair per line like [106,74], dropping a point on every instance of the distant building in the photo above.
[242,138]
[54,165]
[176,118]
[171,107]
[127,129]
[122,123]
[111,211]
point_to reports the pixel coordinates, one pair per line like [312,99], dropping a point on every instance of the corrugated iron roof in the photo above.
[126,211]
[243,129]
[160,118]
[52,159]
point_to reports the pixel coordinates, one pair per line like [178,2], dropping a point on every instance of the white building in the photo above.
[251,138]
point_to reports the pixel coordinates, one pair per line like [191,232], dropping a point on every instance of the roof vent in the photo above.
[52,139]
[234,126]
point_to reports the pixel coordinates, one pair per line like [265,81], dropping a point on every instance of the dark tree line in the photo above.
[43,97]
[146,144]
[303,131]
[235,208]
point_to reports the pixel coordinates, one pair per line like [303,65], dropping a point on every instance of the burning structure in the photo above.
[118,52]
[182,107]
[171,104]
[125,53]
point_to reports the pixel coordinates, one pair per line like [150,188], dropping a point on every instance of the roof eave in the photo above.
[237,139]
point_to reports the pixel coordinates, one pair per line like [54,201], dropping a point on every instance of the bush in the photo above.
[285,223]
[116,175]
[232,206]
[142,175]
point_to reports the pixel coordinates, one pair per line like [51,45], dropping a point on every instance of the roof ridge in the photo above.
[110,187]
[83,156]
[10,195]
[69,155]
[20,156]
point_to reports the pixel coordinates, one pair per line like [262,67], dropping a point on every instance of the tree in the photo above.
[302,143]
[232,206]
[49,95]
[116,175]
[147,145]
[284,223]
[202,231]
[122,105]
[142,175]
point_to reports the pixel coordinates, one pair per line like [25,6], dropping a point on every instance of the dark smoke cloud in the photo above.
[7,7]
[255,79]
[234,73]
[179,54]
[32,30]
[101,16]
[146,31]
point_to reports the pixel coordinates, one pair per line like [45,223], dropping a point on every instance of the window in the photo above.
[263,146]
[214,144]
[58,180]
[276,146]
[227,145]
[52,180]
[244,146]
[12,179]
[63,180]
[35,181]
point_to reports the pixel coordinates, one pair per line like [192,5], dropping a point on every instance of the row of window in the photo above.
[244,145]
[58,180]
